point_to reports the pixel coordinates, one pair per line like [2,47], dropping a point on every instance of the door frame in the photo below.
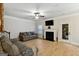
[66,27]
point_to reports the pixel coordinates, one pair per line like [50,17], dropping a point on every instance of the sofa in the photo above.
[24,36]
[14,48]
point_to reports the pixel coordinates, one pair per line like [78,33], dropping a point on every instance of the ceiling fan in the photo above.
[37,13]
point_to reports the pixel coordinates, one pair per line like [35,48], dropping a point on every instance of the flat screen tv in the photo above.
[49,23]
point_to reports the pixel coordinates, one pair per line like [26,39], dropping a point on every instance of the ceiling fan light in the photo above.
[36,17]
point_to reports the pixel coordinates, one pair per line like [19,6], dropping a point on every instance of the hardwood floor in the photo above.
[49,48]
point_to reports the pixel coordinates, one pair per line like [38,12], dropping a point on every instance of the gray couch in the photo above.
[24,36]
[14,48]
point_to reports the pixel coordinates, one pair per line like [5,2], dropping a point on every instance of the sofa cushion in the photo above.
[28,33]
[8,47]
[1,50]
[32,33]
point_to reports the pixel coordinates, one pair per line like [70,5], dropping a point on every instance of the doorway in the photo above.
[65,31]
[40,30]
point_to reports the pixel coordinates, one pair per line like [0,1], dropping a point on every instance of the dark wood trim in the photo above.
[1,17]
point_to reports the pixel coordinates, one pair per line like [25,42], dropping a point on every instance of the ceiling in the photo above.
[49,10]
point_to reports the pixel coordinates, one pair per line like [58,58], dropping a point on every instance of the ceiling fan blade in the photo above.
[42,16]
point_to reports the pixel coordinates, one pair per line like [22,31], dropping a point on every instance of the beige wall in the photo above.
[15,25]
[73,21]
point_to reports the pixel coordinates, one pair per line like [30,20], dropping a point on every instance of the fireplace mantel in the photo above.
[50,30]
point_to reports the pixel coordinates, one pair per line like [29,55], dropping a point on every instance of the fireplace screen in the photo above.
[50,36]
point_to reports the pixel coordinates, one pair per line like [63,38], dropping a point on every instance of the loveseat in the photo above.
[24,36]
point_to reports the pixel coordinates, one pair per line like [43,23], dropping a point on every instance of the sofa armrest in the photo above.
[35,50]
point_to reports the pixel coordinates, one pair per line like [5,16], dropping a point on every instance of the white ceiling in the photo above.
[49,10]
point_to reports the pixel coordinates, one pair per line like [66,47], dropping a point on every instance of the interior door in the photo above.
[65,31]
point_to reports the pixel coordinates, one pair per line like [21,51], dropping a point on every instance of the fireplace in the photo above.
[50,36]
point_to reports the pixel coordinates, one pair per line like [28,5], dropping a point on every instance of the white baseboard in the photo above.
[70,42]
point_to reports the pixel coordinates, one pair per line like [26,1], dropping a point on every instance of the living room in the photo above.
[37,20]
